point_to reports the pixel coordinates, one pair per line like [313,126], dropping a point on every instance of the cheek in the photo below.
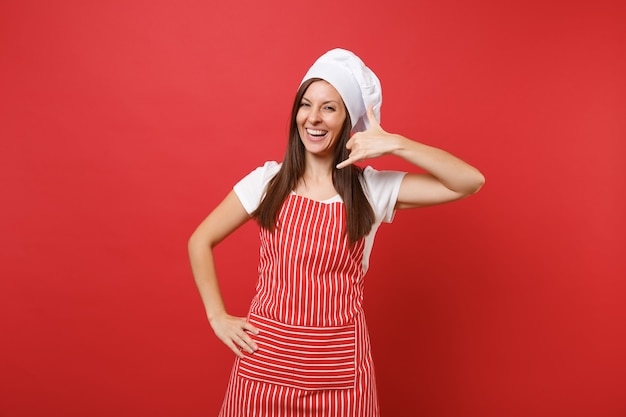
[337,123]
[300,117]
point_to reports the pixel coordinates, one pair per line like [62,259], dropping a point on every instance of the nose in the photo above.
[314,115]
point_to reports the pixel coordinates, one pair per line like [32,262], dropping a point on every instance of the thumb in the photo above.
[350,142]
[371,116]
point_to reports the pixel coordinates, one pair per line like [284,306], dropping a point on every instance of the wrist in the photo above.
[214,315]
[398,144]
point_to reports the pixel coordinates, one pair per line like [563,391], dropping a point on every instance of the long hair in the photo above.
[347,181]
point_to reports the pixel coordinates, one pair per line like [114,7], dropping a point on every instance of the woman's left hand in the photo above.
[372,143]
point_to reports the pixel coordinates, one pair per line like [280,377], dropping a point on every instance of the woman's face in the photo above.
[320,118]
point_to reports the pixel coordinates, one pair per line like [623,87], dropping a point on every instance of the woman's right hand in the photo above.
[234,332]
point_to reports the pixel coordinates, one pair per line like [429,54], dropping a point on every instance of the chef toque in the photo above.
[357,85]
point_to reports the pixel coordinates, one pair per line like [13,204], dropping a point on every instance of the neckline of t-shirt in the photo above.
[334,199]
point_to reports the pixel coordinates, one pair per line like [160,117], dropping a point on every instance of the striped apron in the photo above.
[314,354]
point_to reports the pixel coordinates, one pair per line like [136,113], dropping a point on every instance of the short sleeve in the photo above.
[382,189]
[251,188]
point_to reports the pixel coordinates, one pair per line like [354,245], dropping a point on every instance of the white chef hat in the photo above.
[357,84]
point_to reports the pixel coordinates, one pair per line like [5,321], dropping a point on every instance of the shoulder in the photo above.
[251,188]
[268,169]
[261,175]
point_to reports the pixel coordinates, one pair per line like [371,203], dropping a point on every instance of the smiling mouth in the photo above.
[316,133]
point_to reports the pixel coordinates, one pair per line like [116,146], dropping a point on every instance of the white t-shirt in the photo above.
[381,188]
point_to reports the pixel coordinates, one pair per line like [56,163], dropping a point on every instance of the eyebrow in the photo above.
[326,102]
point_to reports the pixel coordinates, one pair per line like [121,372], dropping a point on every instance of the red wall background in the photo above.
[124,122]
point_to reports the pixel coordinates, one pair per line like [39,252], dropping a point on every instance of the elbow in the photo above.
[478,182]
[199,242]
[192,244]
[196,242]
[474,184]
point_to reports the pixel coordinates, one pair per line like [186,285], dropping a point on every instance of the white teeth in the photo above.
[316,132]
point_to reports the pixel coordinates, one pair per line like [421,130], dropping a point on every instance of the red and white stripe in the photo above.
[314,356]
[308,275]
[309,358]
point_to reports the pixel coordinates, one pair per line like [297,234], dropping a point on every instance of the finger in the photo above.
[234,348]
[345,163]
[247,344]
[250,328]
[247,340]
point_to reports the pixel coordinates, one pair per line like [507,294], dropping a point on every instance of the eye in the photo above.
[329,108]
[304,104]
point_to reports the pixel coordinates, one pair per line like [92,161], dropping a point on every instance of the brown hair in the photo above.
[347,181]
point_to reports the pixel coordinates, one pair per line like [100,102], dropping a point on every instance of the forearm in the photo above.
[205,277]
[451,171]
[233,331]
[222,221]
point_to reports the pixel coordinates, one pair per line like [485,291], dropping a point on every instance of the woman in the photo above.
[304,347]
